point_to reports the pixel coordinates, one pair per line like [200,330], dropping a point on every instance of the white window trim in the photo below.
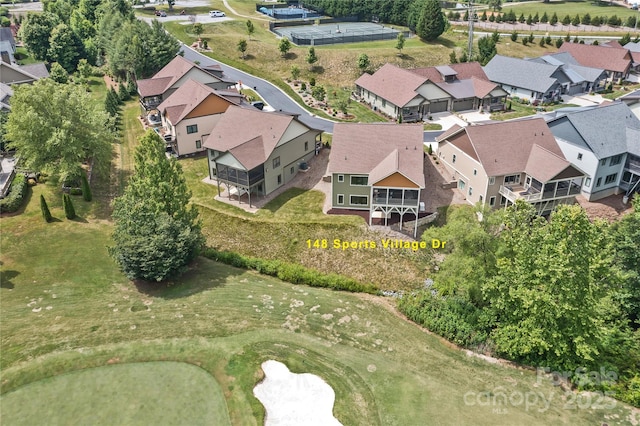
[492,201]
[340,178]
[338,199]
[351,180]
[353,195]
[492,180]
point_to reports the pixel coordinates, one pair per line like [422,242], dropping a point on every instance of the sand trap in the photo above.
[294,399]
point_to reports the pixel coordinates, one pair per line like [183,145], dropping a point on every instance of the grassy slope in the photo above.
[147,393]
[571,8]
[70,309]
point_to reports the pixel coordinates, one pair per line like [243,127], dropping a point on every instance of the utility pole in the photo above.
[471,19]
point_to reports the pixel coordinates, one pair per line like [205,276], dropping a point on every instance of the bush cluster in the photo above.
[453,317]
[17,193]
[290,272]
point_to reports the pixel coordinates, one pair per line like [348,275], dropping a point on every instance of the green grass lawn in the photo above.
[68,309]
[571,8]
[136,393]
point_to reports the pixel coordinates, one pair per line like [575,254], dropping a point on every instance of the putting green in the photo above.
[165,393]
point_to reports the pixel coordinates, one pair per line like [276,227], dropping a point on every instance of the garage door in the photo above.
[439,106]
[463,104]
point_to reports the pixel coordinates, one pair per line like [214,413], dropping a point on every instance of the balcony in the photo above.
[395,197]
[518,192]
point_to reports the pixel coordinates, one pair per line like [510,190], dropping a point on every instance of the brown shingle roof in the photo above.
[544,165]
[606,58]
[240,129]
[378,150]
[167,76]
[396,85]
[186,98]
[505,148]
[464,71]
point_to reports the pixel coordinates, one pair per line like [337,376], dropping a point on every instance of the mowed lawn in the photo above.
[167,393]
[65,307]
[571,8]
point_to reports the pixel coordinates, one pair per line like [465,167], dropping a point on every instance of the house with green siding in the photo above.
[377,167]
[254,152]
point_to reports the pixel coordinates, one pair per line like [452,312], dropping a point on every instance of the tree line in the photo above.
[101,32]
[562,293]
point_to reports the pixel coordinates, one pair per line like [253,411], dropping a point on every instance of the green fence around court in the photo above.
[344,32]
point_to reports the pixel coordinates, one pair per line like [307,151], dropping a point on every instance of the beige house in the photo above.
[377,167]
[153,91]
[254,152]
[499,163]
[190,113]
[417,93]
[21,74]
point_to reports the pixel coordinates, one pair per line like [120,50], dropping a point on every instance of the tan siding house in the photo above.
[253,153]
[499,163]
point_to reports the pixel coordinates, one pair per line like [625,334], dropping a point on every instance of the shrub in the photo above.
[303,86]
[44,208]
[86,189]
[75,191]
[312,81]
[67,204]
[429,150]
[514,36]
[15,198]
[290,272]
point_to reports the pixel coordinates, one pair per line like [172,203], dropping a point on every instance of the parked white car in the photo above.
[216,14]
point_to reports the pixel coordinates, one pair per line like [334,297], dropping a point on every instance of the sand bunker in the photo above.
[295,399]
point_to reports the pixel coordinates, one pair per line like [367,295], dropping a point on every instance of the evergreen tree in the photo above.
[430,22]
[514,35]
[86,189]
[311,57]
[536,18]
[521,19]
[576,20]
[529,20]
[554,19]
[625,39]
[558,43]
[566,20]
[586,19]
[486,49]
[123,93]
[44,208]
[67,205]
[157,234]
[545,18]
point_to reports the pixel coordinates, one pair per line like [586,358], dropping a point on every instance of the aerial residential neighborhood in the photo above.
[319,213]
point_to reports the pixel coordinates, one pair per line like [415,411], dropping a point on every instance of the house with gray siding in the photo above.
[533,81]
[576,78]
[377,167]
[500,163]
[605,143]
[253,153]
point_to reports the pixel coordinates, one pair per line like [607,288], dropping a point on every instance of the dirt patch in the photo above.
[434,195]
[111,83]
[610,208]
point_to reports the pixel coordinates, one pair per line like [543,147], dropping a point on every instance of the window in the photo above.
[359,180]
[306,146]
[510,180]
[480,198]
[587,182]
[276,162]
[340,178]
[503,200]
[470,191]
[279,179]
[198,144]
[461,184]
[192,129]
[492,180]
[358,200]
[384,103]
[454,158]
[598,182]
[580,156]
[340,199]
[611,178]
[292,170]
[616,159]
[603,162]
[492,201]
[475,172]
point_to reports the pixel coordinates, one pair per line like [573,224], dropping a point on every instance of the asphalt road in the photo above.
[270,93]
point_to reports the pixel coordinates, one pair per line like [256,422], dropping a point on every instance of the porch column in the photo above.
[415,230]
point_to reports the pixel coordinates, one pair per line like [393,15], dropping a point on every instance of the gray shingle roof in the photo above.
[521,73]
[608,130]
[570,65]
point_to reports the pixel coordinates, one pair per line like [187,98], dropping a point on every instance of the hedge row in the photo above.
[17,193]
[290,272]
[452,317]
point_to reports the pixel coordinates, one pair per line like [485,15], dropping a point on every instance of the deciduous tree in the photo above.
[311,57]
[363,62]
[35,33]
[250,28]
[284,45]
[400,42]
[56,127]
[157,234]
[242,47]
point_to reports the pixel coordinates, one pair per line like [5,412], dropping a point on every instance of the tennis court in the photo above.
[342,32]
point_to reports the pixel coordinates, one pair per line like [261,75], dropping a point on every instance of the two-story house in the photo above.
[577,78]
[605,143]
[500,163]
[154,90]
[254,152]
[377,167]
[191,112]
[615,60]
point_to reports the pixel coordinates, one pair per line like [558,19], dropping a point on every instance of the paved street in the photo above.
[270,93]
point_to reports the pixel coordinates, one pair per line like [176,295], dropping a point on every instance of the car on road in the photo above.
[216,14]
